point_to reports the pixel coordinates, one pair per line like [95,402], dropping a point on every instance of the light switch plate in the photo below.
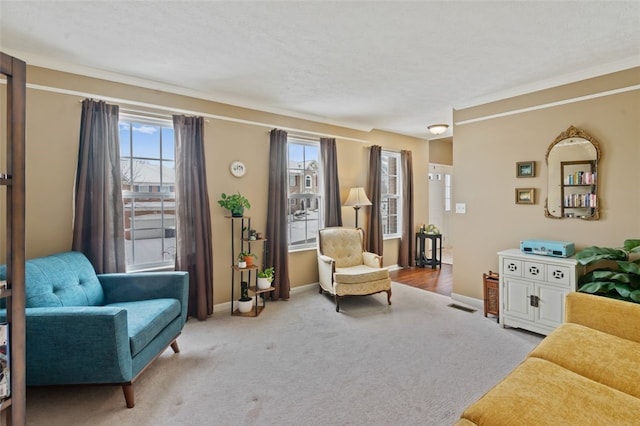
[461,208]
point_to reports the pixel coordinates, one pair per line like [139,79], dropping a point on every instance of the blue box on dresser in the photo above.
[548,248]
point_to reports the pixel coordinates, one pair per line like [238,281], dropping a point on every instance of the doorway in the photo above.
[440,210]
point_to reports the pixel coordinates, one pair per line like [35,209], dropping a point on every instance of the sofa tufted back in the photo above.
[344,245]
[63,279]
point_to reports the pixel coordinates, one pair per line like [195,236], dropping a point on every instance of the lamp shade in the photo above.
[357,197]
[438,129]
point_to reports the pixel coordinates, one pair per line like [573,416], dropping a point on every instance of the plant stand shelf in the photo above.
[252,313]
[250,271]
[259,294]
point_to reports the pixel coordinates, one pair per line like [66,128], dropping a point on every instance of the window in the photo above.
[391,199]
[304,213]
[147,161]
[447,192]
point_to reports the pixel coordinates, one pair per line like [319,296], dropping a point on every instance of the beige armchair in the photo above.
[344,267]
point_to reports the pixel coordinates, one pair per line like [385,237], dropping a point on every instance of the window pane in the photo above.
[148,184]
[303,215]
[168,151]
[447,192]
[146,141]
[125,140]
[391,206]
[393,185]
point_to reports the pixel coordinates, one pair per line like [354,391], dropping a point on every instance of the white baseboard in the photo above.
[226,306]
[476,303]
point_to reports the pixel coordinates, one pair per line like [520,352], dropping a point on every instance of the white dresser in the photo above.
[533,289]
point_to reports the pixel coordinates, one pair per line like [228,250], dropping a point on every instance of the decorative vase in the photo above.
[242,264]
[245,306]
[263,283]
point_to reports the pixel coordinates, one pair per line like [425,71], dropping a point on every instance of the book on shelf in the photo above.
[581,178]
[588,200]
[5,383]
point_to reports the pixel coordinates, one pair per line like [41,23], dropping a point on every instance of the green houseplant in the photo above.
[619,278]
[265,278]
[245,303]
[247,258]
[235,203]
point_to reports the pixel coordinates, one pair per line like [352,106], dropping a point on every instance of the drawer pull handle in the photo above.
[512,267]
[534,270]
[557,274]
[534,301]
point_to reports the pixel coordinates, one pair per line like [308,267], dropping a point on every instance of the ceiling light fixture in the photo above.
[438,129]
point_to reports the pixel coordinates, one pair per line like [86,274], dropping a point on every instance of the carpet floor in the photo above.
[418,361]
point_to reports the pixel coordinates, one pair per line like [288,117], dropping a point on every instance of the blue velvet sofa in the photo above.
[84,328]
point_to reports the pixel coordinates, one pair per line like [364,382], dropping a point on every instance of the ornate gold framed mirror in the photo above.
[572,178]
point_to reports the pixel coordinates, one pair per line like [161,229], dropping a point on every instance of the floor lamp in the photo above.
[356,199]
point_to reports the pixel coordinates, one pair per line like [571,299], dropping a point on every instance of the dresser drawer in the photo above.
[560,275]
[512,267]
[534,271]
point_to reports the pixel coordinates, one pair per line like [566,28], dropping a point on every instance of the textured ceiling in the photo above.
[395,66]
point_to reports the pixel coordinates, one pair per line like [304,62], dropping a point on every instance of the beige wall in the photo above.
[53,119]
[485,154]
[441,151]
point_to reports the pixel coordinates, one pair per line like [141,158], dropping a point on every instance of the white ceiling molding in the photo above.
[549,105]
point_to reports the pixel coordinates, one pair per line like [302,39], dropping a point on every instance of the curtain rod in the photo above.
[185,111]
[399,151]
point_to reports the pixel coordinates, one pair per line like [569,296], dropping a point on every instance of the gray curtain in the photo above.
[98,225]
[331,183]
[193,218]
[277,249]
[374,185]
[405,257]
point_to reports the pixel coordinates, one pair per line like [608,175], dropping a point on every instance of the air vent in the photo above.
[462,308]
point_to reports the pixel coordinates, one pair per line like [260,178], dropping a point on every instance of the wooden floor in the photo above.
[439,280]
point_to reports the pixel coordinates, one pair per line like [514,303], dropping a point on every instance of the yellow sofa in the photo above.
[586,372]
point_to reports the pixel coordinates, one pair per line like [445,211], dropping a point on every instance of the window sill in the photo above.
[301,249]
[165,268]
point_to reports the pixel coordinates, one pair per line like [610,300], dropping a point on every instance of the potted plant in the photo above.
[245,303]
[235,203]
[245,259]
[619,278]
[265,278]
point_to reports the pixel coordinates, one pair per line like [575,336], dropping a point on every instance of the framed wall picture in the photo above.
[525,169]
[525,195]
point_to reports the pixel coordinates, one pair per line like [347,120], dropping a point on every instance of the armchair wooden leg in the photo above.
[176,349]
[320,288]
[389,296]
[127,389]
[337,299]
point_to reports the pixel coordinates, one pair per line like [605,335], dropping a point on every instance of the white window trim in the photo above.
[137,120]
[310,245]
[397,234]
